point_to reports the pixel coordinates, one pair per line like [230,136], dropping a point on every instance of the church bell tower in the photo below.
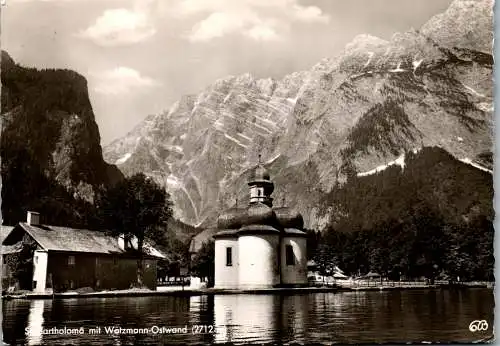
[261,186]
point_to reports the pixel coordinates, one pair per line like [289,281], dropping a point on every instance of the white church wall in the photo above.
[296,273]
[226,276]
[258,261]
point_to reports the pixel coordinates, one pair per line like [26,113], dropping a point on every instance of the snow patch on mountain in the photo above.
[370,56]
[246,137]
[235,141]
[272,159]
[485,106]
[173,181]
[474,164]
[416,64]
[400,161]
[123,159]
[397,69]
[473,91]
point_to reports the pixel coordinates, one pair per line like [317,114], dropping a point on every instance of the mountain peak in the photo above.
[347,114]
[465,24]
[364,42]
[7,59]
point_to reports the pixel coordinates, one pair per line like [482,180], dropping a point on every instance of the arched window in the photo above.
[229,256]
[290,260]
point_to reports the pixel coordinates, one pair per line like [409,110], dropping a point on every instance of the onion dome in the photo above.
[287,218]
[260,176]
[293,232]
[258,229]
[226,234]
[260,173]
[259,213]
[232,218]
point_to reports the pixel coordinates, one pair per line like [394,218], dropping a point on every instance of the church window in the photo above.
[289,255]
[71,260]
[229,256]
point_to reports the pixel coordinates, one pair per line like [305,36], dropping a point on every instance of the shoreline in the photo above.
[188,292]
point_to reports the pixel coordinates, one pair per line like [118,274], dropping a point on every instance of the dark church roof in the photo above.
[260,217]
[259,229]
[232,218]
[295,232]
[260,173]
[228,233]
[287,218]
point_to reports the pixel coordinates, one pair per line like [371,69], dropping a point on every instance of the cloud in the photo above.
[311,14]
[262,33]
[119,27]
[248,23]
[256,19]
[215,25]
[261,20]
[120,80]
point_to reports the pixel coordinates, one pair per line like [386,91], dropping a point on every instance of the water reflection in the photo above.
[244,317]
[348,317]
[294,316]
[35,321]
[250,318]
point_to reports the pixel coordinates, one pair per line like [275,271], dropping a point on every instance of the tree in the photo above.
[313,239]
[202,264]
[325,259]
[136,207]
[20,264]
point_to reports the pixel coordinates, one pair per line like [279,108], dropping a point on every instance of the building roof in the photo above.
[56,238]
[260,173]
[8,249]
[230,233]
[4,232]
[287,218]
[232,218]
[295,232]
[259,213]
[258,229]
[258,217]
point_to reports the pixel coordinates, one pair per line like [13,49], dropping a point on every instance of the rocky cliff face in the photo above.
[345,116]
[50,145]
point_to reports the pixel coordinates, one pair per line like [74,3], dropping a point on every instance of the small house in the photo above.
[51,258]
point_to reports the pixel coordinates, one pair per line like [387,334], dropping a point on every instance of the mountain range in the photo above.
[345,117]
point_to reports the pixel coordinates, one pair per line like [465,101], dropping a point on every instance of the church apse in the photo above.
[260,246]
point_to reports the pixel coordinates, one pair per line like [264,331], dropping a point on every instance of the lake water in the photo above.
[343,317]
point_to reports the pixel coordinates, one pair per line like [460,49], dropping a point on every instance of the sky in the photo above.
[140,56]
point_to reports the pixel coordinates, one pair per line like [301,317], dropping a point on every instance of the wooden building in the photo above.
[50,258]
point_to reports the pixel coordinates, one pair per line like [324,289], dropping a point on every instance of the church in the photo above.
[260,246]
